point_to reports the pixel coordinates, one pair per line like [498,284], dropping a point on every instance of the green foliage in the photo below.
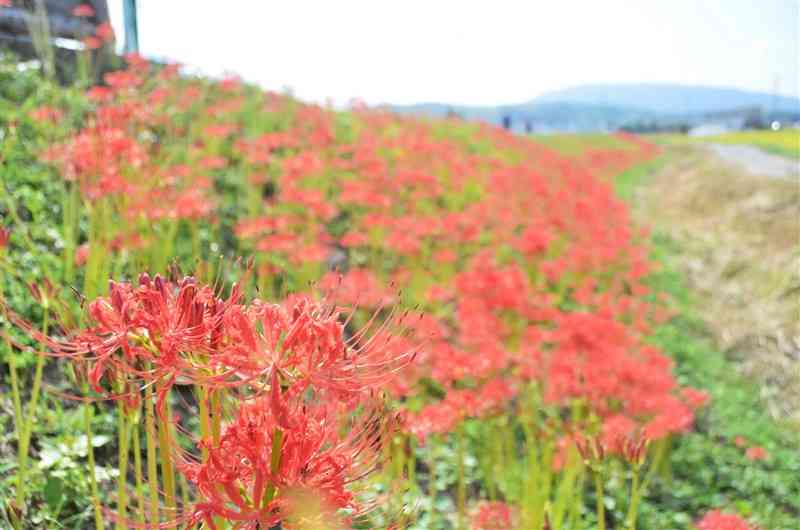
[706,468]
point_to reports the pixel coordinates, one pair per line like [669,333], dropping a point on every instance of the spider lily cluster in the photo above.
[531,357]
[287,405]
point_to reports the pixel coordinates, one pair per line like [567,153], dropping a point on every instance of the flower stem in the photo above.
[164,451]
[461,492]
[600,497]
[137,464]
[87,427]
[122,466]
[205,421]
[70,228]
[152,464]
[27,428]
[275,464]
[432,490]
[634,506]
[216,417]
[412,462]
[12,369]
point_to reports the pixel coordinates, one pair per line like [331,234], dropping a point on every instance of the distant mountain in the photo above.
[671,98]
[610,107]
[539,116]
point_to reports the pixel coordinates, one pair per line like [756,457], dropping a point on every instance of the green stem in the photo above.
[461,492]
[205,421]
[137,464]
[659,461]
[634,507]
[165,453]
[216,417]
[27,429]
[275,463]
[70,232]
[195,240]
[122,466]
[412,462]
[600,497]
[567,493]
[12,368]
[399,466]
[87,427]
[532,508]
[184,484]
[432,491]
[152,463]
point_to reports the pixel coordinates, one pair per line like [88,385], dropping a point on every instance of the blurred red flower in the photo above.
[83,10]
[756,453]
[717,520]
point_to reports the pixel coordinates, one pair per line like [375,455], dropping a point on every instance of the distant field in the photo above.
[785,142]
[570,144]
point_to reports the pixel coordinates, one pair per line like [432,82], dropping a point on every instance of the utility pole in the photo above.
[131,26]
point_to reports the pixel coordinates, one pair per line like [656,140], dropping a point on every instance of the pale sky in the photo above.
[467,52]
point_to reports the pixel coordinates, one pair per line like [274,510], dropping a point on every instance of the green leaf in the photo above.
[53,493]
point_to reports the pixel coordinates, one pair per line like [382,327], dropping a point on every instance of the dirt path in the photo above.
[737,236]
[758,162]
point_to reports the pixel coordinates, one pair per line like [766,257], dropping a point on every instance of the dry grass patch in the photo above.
[739,236]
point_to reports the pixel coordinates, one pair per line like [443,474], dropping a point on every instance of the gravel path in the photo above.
[758,162]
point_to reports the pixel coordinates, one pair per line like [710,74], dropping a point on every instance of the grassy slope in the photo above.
[707,468]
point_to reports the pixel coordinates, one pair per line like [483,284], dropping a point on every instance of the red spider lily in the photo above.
[717,520]
[220,130]
[695,398]
[436,418]
[557,219]
[83,10]
[183,333]
[358,288]
[278,445]
[47,114]
[81,254]
[105,32]
[306,341]
[494,515]
[756,453]
[91,42]
[155,331]
[527,259]
[307,418]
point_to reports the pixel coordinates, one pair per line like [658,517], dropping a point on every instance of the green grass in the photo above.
[706,468]
[570,144]
[785,142]
[627,182]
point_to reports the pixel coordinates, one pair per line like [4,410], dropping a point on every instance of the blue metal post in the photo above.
[131,26]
